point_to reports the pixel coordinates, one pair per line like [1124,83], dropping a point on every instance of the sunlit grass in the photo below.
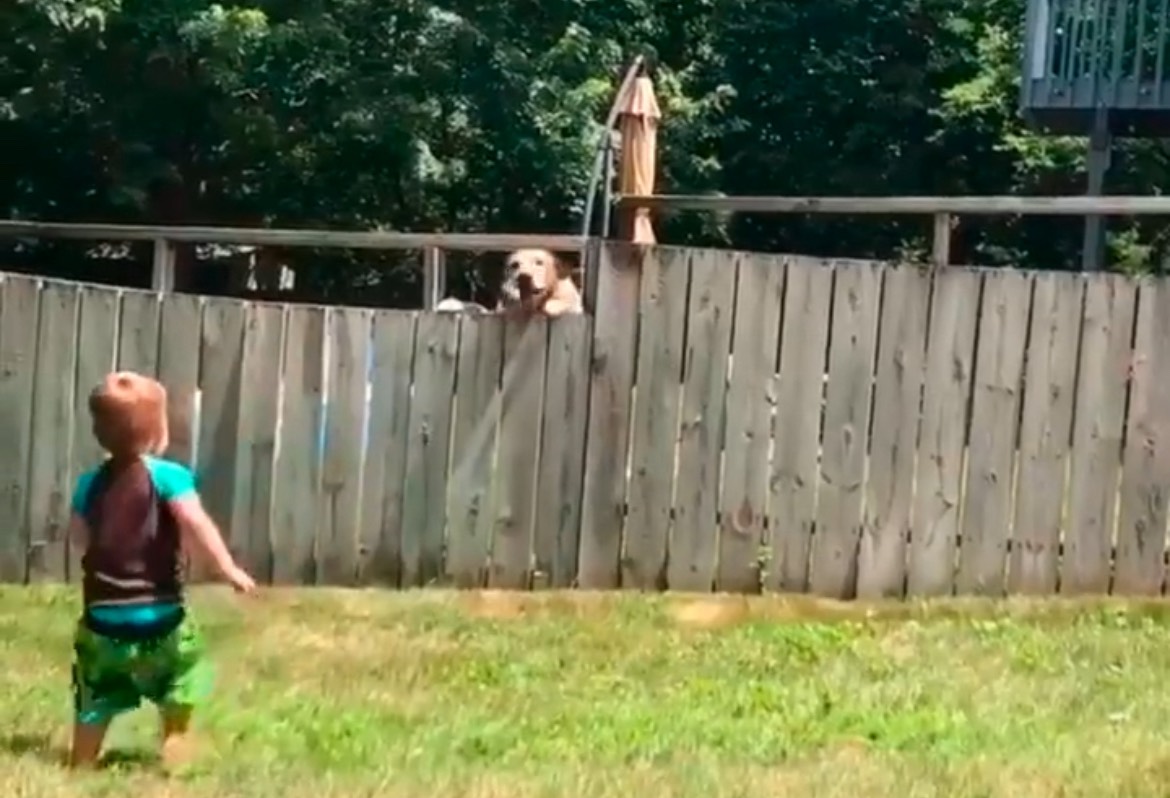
[441,694]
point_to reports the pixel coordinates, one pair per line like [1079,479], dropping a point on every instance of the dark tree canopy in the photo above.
[467,115]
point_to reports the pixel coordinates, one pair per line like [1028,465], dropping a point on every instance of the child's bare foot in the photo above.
[178,751]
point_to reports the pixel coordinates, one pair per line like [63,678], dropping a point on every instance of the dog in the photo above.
[537,282]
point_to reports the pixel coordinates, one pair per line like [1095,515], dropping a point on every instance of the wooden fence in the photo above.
[724,420]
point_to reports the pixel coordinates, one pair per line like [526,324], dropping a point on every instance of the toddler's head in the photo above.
[129,414]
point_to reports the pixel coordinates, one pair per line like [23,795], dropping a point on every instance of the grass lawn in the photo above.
[440,694]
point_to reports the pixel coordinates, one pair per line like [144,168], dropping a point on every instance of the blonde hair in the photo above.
[129,413]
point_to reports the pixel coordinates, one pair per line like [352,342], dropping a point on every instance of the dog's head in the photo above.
[531,272]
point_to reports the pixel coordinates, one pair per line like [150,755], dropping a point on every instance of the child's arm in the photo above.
[176,486]
[198,528]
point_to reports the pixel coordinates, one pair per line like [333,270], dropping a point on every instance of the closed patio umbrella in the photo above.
[639,154]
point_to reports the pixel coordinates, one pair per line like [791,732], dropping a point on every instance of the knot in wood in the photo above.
[743,517]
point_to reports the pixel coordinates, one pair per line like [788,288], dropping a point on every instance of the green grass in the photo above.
[439,694]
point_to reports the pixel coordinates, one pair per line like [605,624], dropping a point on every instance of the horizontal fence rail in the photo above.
[725,421]
[339,239]
[433,245]
[990,206]
[942,209]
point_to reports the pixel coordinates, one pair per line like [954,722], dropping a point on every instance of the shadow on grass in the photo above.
[34,746]
[42,747]
[130,758]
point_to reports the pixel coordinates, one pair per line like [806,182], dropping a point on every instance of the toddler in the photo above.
[132,516]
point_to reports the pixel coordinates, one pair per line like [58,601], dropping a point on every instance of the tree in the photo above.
[468,115]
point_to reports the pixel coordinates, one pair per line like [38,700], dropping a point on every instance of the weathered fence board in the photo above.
[1141,528]
[388,436]
[995,411]
[97,340]
[19,305]
[796,428]
[297,492]
[221,358]
[515,475]
[138,332]
[885,529]
[833,570]
[1046,426]
[49,470]
[252,492]
[750,402]
[615,331]
[178,370]
[341,461]
[425,482]
[694,547]
[565,415]
[949,363]
[1098,422]
[663,307]
[478,402]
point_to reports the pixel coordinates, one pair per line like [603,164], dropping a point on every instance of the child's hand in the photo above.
[240,581]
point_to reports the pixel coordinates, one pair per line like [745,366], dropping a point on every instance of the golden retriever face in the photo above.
[536,281]
[532,271]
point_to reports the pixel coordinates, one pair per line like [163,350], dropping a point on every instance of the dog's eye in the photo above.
[513,265]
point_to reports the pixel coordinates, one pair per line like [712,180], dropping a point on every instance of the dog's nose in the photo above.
[524,282]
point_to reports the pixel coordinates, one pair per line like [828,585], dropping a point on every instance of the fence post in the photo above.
[434,277]
[162,275]
[941,246]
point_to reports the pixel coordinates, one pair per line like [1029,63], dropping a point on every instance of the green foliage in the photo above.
[468,115]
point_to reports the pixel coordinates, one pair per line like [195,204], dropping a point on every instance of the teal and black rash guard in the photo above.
[132,564]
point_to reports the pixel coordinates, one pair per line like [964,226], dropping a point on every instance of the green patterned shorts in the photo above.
[113,676]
